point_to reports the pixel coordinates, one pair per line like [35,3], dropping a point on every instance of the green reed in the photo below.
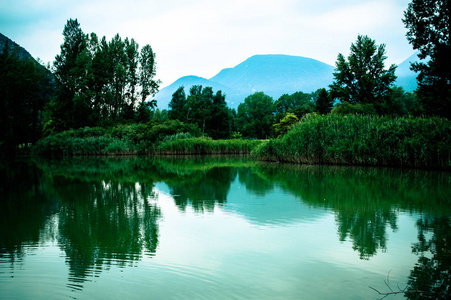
[205,145]
[363,140]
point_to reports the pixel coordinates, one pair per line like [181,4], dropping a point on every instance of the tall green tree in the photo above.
[70,72]
[147,73]
[256,115]
[177,105]
[428,24]
[220,125]
[323,101]
[102,82]
[362,78]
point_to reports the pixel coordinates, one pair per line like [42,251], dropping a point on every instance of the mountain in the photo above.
[406,77]
[164,96]
[21,52]
[273,74]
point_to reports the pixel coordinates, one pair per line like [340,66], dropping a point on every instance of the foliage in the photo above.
[282,127]
[101,82]
[346,108]
[298,103]
[323,101]
[177,106]
[364,140]
[206,145]
[362,78]
[25,87]
[428,27]
[255,116]
[204,108]
[117,140]
[403,103]
[236,135]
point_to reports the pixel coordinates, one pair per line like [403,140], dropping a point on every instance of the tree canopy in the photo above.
[256,115]
[362,78]
[100,81]
[428,24]
[202,107]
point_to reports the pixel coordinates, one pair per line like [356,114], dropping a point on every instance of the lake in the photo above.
[220,228]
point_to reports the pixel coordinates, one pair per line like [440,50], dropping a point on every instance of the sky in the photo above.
[202,37]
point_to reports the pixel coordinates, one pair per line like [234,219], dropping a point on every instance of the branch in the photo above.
[392,292]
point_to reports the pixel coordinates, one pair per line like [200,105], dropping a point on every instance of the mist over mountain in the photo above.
[274,75]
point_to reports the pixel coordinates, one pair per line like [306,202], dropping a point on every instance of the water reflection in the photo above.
[431,276]
[105,211]
[24,196]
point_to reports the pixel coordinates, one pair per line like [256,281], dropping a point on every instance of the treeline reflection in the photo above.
[104,210]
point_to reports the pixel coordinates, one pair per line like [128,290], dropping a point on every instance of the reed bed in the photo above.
[205,145]
[363,140]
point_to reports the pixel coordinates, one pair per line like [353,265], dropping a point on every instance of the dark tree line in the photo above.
[254,118]
[25,87]
[101,82]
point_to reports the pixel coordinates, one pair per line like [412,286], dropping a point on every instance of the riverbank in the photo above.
[329,139]
[363,140]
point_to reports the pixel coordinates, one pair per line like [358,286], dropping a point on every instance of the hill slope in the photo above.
[406,77]
[273,74]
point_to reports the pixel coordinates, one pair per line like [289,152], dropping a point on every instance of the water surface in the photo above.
[220,228]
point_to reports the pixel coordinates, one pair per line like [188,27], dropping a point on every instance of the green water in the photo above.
[220,228]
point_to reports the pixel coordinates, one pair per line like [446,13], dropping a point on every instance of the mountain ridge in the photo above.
[275,75]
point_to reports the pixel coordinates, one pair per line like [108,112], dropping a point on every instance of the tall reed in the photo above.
[363,140]
[205,145]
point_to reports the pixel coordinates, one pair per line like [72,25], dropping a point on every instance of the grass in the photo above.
[363,140]
[206,145]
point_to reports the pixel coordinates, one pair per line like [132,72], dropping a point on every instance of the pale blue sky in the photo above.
[201,37]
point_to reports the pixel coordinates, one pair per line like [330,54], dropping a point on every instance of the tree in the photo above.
[428,24]
[323,101]
[147,72]
[298,103]
[362,78]
[255,116]
[101,82]
[70,70]
[25,88]
[284,125]
[177,105]
[220,125]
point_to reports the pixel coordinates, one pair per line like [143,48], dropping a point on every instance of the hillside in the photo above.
[273,74]
[22,53]
[406,77]
[164,96]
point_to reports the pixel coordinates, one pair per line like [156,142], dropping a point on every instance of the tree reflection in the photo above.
[200,182]
[432,273]
[105,216]
[105,223]
[24,196]
[365,200]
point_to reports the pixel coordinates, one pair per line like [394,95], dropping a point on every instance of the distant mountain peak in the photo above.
[273,74]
